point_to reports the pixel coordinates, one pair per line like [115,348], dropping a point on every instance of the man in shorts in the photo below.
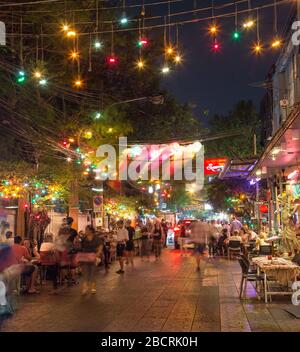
[198,236]
[122,238]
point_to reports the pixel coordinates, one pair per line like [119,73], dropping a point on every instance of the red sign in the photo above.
[214,166]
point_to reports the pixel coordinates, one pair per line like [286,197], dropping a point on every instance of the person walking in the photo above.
[157,235]
[198,236]
[90,253]
[145,246]
[122,237]
[130,243]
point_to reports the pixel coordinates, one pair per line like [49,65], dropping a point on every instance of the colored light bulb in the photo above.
[21,77]
[169,50]
[98,44]
[142,42]
[236,35]
[165,70]
[248,24]
[177,59]
[276,43]
[42,82]
[213,29]
[140,64]
[74,55]
[71,34]
[112,60]
[37,74]
[78,83]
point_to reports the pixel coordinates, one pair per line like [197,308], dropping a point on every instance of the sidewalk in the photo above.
[168,295]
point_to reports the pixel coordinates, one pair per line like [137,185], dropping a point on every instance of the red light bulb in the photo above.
[112,60]
[216,46]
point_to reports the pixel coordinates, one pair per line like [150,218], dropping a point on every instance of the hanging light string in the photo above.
[112,39]
[275,17]
[169,23]
[257,27]
[188,12]
[236,17]
[90,54]
[21,43]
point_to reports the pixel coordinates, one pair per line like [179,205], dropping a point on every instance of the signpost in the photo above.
[98,210]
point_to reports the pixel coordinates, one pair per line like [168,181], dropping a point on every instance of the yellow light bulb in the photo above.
[276,43]
[169,50]
[248,24]
[65,27]
[140,64]
[110,130]
[37,74]
[78,83]
[178,59]
[71,34]
[74,55]
[213,29]
[257,48]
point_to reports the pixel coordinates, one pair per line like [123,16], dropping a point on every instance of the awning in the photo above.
[283,151]
[238,168]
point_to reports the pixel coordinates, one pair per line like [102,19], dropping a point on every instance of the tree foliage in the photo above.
[242,120]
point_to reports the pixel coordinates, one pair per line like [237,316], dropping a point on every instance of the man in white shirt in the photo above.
[122,238]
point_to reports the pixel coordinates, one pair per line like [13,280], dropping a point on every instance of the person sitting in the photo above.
[222,249]
[23,259]
[32,249]
[49,258]
[235,236]
[9,238]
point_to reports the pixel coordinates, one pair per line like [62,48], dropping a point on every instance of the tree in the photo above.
[242,120]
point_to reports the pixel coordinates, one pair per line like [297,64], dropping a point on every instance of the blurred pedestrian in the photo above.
[122,238]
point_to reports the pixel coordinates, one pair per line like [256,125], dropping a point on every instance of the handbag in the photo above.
[83,257]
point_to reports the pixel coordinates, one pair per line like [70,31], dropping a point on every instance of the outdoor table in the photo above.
[280,269]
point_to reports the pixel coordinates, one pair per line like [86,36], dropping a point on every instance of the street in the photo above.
[167,295]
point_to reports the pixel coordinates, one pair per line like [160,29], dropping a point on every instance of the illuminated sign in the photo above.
[214,166]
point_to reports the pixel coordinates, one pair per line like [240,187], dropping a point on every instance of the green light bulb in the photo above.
[236,35]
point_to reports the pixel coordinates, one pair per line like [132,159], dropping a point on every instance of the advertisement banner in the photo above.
[214,166]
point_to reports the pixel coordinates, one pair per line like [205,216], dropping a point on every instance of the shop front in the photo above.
[279,169]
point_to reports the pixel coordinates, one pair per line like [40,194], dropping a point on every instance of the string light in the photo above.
[21,77]
[78,83]
[74,55]
[112,60]
[165,69]
[65,27]
[142,42]
[236,35]
[169,50]
[71,34]
[213,29]
[37,74]
[43,82]
[140,64]
[98,45]
[249,24]
[124,20]
[98,115]
[257,48]
[276,43]
[216,46]
[178,59]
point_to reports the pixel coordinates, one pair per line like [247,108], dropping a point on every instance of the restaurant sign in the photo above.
[214,166]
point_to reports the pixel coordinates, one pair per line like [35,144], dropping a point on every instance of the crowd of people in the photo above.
[63,257]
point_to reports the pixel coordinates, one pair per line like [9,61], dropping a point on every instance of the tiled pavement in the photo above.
[168,295]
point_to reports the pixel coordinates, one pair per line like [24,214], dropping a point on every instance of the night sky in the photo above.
[214,82]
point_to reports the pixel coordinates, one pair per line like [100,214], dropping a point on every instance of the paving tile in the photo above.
[165,296]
